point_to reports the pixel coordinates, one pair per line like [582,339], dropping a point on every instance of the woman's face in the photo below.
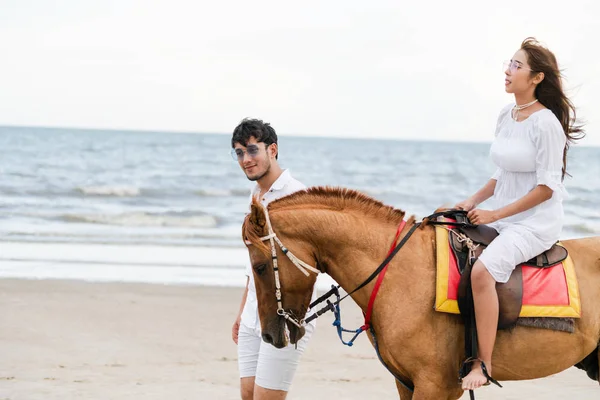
[518,74]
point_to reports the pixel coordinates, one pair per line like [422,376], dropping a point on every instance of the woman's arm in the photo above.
[482,195]
[485,192]
[535,197]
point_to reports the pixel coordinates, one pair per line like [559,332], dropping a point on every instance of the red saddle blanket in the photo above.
[547,292]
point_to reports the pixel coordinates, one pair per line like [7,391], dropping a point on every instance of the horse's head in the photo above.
[296,288]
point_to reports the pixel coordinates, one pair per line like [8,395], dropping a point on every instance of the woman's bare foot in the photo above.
[475,379]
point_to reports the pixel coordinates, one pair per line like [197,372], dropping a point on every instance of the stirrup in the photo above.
[471,360]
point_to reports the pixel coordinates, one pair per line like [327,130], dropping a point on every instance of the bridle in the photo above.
[301,265]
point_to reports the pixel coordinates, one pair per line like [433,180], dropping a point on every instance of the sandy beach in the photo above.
[78,340]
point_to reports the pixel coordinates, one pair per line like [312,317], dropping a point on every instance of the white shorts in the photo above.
[514,245]
[272,368]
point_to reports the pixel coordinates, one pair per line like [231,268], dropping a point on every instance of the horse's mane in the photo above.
[325,197]
[319,197]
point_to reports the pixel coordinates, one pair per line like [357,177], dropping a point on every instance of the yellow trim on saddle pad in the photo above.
[444,304]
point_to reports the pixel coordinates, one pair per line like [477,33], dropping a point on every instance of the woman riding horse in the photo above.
[530,149]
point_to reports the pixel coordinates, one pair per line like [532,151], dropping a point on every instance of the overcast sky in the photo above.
[390,69]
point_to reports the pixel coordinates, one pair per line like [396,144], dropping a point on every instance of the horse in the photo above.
[346,234]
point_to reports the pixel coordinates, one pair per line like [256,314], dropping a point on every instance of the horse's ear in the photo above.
[257,215]
[254,227]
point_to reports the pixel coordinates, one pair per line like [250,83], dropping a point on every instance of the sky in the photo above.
[429,70]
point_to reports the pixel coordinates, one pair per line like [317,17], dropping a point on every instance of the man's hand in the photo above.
[235,330]
[482,217]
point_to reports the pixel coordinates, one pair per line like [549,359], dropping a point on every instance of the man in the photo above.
[266,373]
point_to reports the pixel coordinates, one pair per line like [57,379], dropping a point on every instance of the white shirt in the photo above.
[283,186]
[527,154]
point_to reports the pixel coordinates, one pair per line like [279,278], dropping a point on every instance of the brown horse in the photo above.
[346,234]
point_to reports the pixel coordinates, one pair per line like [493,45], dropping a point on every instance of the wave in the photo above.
[214,192]
[119,191]
[142,219]
[125,191]
[582,228]
[118,236]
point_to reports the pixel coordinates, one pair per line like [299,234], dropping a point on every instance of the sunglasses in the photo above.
[514,66]
[252,150]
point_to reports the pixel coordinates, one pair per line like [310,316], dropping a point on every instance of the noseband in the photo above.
[301,265]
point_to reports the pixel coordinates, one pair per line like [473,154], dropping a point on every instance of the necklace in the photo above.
[518,108]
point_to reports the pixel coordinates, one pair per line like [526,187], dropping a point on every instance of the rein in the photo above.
[461,220]
[380,270]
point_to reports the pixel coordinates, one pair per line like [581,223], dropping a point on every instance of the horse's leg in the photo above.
[404,393]
[430,391]
[432,385]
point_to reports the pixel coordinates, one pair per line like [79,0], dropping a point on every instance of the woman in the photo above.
[530,150]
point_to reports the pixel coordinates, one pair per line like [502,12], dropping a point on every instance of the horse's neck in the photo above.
[408,288]
[350,252]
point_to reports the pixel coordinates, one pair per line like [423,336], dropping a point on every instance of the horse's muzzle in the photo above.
[267,338]
[274,333]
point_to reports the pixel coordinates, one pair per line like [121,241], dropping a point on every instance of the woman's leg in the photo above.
[485,298]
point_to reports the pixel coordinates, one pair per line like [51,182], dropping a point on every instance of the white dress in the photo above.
[527,154]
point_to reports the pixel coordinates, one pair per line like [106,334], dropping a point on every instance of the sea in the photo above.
[167,207]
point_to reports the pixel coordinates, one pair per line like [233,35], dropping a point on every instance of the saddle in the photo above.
[467,242]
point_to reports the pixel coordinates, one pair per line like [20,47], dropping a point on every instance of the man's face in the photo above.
[255,158]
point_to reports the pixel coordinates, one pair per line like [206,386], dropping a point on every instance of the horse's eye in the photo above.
[260,269]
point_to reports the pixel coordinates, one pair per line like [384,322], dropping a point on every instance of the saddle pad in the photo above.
[547,292]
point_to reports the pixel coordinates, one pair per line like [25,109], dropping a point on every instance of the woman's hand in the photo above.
[482,217]
[466,205]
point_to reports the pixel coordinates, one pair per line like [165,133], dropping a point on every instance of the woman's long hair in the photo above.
[550,92]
